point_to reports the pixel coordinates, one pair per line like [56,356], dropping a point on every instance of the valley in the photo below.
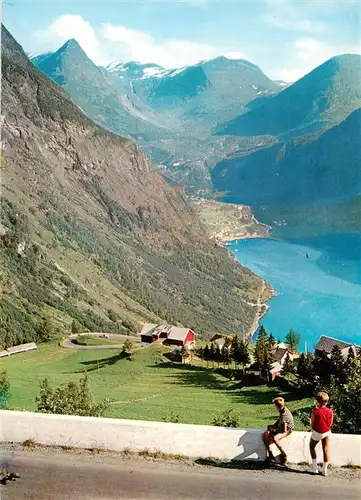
[235,156]
[93,234]
[252,141]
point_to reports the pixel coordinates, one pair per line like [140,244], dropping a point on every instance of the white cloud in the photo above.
[196,3]
[124,44]
[292,24]
[285,14]
[307,54]
[72,26]
[138,46]
[234,55]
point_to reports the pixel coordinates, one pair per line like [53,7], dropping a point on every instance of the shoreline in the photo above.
[232,239]
[262,306]
[263,312]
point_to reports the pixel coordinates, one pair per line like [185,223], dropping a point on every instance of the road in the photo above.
[62,475]
[67,342]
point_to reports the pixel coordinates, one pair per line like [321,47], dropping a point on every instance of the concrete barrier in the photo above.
[189,440]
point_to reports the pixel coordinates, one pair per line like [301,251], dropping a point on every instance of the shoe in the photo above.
[311,470]
[324,472]
[270,460]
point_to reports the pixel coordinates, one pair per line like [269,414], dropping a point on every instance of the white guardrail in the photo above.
[189,440]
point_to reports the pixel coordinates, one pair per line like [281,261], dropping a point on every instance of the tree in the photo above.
[185,353]
[261,346]
[45,330]
[288,367]
[127,347]
[73,398]
[305,370]
[338,365]
[243,356]
[349,362]
[263,353]
[292,340]
[226,354]
[207,354]
[212,354]
[234,350]
[346,401]
[322,366]
[217,354]
[45,399]
[75,327]
[271,341]
[4,388]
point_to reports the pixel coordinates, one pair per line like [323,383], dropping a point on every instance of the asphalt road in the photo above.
[77,477]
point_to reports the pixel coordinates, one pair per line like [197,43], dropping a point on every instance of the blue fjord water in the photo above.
[317,295]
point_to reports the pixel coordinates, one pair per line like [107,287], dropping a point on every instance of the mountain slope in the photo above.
[90,232]
[203,94]
[87,85]
[323,98]
[169,113]
[324,169]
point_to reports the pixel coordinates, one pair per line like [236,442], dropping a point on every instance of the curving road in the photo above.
[68,341]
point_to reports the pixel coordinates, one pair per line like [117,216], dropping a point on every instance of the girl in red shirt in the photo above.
[321,423]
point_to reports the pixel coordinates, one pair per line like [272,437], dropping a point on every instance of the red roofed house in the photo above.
[172,335]
[180,336]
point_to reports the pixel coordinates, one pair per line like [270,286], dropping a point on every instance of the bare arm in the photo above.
[312,421]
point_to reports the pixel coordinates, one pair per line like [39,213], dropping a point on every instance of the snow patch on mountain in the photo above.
[177,71]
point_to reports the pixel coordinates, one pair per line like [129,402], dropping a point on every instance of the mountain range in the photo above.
[171,114]
[223,128]
[321,99]
[90,231]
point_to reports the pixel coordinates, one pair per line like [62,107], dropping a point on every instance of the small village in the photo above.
[184,342]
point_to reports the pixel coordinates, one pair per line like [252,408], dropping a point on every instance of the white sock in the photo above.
[325,466]
[314,464]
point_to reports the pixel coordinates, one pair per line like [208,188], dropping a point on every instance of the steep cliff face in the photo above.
[104,239]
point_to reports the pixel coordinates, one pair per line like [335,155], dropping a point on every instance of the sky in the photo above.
[286,38]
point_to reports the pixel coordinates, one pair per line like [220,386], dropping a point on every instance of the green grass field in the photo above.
[196,393]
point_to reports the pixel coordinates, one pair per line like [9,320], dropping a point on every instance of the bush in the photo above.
[74,398]
[228,418]
[4,388]
[75,327]
[172,417]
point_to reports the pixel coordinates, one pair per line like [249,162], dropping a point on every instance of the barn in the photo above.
[172,335]
[152,332]
[180,336]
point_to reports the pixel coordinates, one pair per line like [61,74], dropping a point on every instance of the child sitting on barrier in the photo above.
[282,428]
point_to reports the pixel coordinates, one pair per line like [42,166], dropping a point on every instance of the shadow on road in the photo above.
[248,465]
